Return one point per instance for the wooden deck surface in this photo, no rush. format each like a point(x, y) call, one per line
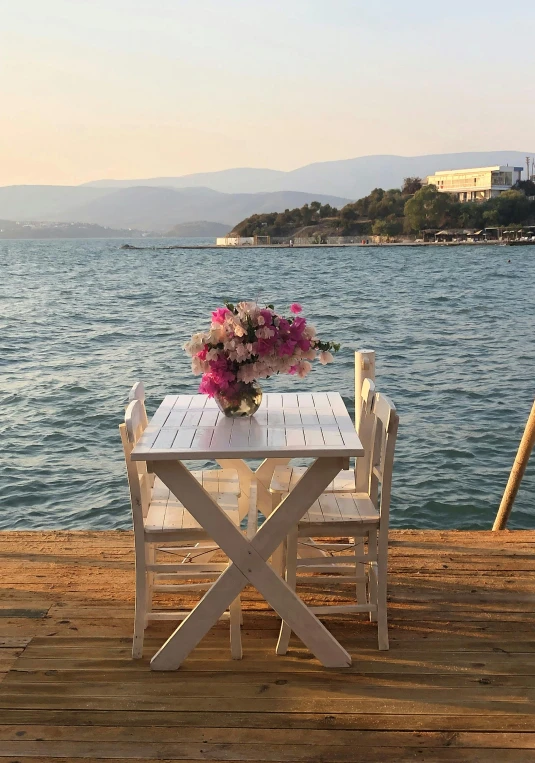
point(458, 683)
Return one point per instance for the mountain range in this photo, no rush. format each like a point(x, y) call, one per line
point(227, 196)
point(145, 207)
point(351, 178)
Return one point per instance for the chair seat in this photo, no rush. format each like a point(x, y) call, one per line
point(285, 478)
point(167, 516)
point(338, 511)
point(219, 480)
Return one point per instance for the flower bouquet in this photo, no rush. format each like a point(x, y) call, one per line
point(247, 342)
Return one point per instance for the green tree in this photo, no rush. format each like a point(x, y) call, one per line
point(411, 186)
point(511, 207)
point(526, 186)
point(306, 214)
point(428, 208)
point(327, 211)
point(391, 226)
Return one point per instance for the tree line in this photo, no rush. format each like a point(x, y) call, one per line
point(407, 210)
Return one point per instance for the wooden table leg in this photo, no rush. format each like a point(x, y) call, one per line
point(249, 564)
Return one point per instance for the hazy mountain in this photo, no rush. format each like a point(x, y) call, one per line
point(36, 230)
point(43, 202)
point(160, 208)
point(351, 178)
point(145, 208)
point(240, 180)
point(200, 228)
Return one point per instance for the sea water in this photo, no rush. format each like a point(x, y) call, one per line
point(81, 320)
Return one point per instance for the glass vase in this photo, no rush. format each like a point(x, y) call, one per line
point(244, 400)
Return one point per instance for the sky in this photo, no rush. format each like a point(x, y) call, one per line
point(95, 89)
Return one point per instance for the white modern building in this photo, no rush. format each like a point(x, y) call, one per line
point(234, 241)
point(243, 240)
point(477, 184)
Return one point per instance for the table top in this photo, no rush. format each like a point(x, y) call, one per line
point(298, 424)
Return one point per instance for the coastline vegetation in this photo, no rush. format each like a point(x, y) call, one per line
point(398, 211)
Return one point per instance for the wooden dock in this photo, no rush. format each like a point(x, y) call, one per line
point(458, 683)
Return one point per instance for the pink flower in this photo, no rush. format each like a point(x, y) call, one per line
point(287, 347)
point(298, 327)
point(208, 386)
point(295, 308)
point(263, 346)
point(219, 315)
point(267, 316)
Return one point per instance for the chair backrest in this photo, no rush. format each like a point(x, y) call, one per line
point(365, 432)
point(139, 480)
point(385, 430)
point(138, 393)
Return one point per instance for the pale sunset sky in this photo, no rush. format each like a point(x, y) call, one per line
point(137, 88)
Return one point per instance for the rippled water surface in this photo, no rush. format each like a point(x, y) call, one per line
point(453, 329)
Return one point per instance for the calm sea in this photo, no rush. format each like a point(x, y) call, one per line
point(80, 321)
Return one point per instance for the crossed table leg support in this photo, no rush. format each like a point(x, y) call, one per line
point(249, 564)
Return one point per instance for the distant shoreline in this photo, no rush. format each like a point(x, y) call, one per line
point(333, 246)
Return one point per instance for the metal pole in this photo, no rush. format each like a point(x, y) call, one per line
point(517, 472)
point(364, 369)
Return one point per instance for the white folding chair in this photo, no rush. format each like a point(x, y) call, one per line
point(348, 481)
point(213, 480)
point(363, 516)
point(159, 518)
point(286, 477)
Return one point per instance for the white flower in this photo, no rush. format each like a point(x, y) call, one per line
point(196, 343)
point(237, 326)
point(265, 332)
point(247, 307)
point(198, 366)
point(216, 334)
point(303, 368)
point(325, 357)
point(247, 373)
point(241, 352)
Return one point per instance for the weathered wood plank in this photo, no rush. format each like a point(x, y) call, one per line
point(366, 755)
point(68, 665)
point(13, 643)
point(285, 753)
point(162, 720)
point(255, 684)
point(274, 736)
point(381, 700)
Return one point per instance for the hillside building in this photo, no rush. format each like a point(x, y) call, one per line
point(478, 184)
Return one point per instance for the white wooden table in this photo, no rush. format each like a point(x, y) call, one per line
point(292, 425)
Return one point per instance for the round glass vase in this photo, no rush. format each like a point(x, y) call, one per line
point(244, 400)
